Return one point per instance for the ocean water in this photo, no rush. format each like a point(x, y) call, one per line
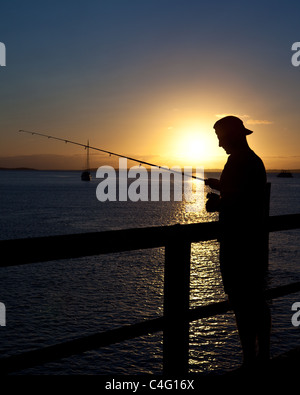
point(51, 302)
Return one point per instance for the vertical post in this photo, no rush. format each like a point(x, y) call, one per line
point(176, 307)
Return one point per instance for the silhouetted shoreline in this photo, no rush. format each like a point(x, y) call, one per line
point(18, 168)
point(95, 169)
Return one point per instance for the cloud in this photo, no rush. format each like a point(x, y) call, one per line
point(236, 115)
point(249, 121)
point(259, 122)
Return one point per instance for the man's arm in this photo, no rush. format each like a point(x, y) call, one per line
point(213, 183)
point(213, 202)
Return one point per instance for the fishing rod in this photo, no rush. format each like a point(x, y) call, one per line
point(109, 152)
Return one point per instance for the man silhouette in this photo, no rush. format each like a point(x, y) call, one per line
point(242, 208)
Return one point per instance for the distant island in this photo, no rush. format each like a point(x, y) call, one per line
point(95, 169)
point(17, 168)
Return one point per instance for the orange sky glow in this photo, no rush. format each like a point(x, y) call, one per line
point(152, 94)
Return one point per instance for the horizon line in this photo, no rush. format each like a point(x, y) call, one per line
point(96, 168)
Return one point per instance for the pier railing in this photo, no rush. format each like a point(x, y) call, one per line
point(176, 239)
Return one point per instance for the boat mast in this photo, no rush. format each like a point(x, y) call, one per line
point(88, 156)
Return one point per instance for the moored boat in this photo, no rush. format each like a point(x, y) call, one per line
point(285, 174)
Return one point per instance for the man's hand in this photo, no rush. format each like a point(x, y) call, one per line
point(213, 203)
point(213, 183)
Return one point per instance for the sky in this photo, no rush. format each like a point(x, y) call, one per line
point(147, 79)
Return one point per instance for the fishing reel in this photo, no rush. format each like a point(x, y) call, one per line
point(212, 195)
point(213, 202)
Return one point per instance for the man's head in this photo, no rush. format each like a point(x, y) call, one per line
point(231, 133)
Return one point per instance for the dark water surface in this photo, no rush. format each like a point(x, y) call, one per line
point(48, 303)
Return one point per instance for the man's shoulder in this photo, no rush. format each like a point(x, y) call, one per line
point(245, 157)
point(247, 165)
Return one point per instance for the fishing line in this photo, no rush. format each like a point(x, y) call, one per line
point(110, 153)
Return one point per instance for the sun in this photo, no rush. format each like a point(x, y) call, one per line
point(195, 147)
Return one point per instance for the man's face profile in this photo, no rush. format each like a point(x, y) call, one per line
point(224, 140)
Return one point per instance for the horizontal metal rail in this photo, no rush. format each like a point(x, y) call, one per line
point(70, 348)
point(43, 249)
